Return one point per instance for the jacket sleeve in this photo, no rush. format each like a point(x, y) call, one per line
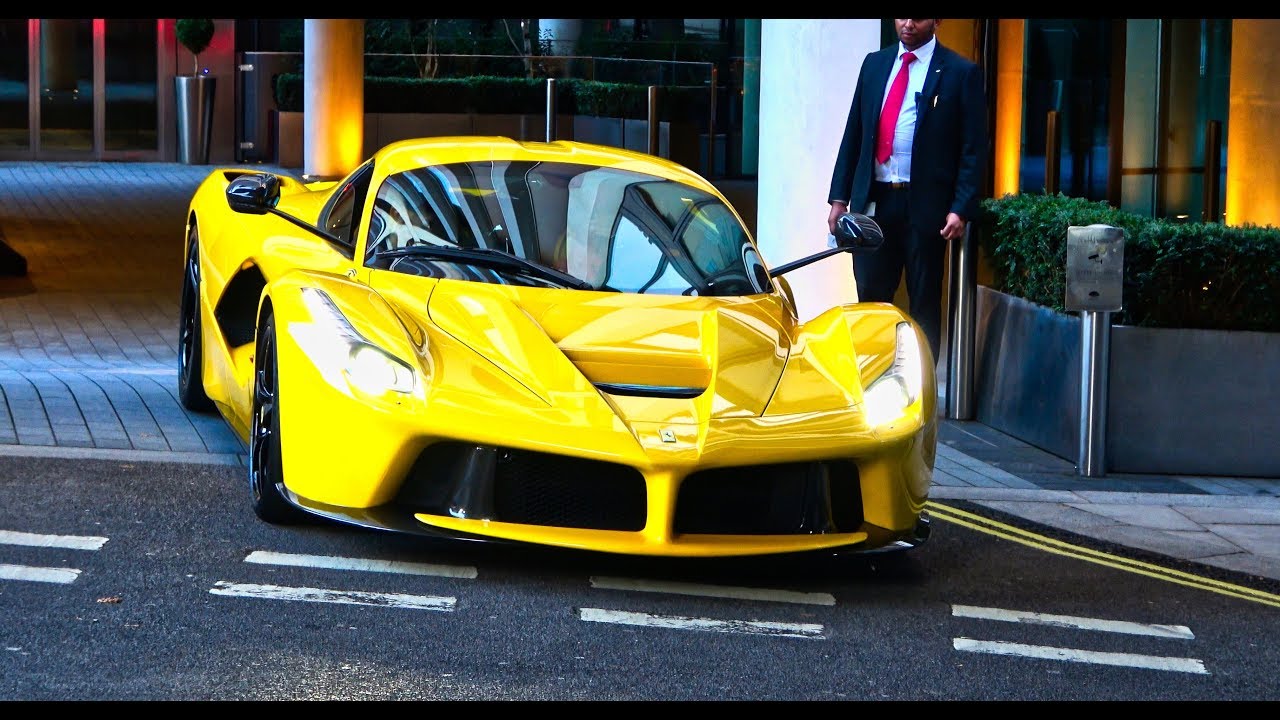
point(847, 157)
point(973, 145)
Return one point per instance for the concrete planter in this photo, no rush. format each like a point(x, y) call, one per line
point(1179, 402)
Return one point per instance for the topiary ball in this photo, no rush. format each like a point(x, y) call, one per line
point(195, 35)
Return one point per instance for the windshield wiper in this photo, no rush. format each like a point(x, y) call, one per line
point(491, 257)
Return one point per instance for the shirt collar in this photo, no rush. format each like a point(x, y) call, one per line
point(923, 53)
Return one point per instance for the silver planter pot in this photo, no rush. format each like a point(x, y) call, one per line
point(194, 96)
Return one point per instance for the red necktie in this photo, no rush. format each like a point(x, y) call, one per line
point(892, 106)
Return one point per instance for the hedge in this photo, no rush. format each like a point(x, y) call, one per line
point(514, 95)
point(1176, 275)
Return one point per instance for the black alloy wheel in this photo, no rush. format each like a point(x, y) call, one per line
point(266, 474)
point(190, 350)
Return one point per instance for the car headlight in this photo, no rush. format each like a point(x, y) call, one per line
point(900, 386)
point(339, 351)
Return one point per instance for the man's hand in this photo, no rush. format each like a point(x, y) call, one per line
point(837, 209)
point(954, 229)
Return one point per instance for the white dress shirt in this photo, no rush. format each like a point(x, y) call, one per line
point(898, 167)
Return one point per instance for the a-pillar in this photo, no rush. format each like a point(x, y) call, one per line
point(1253, 125)
point(333, 97)
point(807, 73)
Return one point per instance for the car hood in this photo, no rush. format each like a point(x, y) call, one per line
point(655, 358)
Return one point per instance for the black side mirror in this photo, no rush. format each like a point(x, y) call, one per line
point(858, 233)
point(855, 233)
point(254, 193)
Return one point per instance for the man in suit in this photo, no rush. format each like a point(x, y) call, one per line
point(923, 183)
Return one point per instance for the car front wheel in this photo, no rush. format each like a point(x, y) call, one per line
point(190, 349)
point(266, 474)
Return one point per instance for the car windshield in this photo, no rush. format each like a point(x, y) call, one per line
point(608, 228)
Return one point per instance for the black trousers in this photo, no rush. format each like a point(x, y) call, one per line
point(920, 254)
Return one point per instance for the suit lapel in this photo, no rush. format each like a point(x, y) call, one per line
point(937, 66)
point(879, 80)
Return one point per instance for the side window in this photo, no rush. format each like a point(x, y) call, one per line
point(343, 211)
point(339, 221)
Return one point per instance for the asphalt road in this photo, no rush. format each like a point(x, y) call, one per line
point(155, 581)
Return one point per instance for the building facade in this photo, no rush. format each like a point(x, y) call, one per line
point(1166, 117)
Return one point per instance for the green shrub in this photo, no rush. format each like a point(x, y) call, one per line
point(194, 34)
point(1176, 275)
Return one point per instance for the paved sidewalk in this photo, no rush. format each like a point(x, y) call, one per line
point(88, 347)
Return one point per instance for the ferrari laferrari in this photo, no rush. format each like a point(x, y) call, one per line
point(556, 344)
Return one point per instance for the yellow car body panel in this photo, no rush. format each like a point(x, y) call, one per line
point(543, 371)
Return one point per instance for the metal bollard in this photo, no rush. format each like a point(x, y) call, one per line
point(964, 296)
point(1052, 152)
point(551, 109)
point(1095, 356)
point(653, 120)
point(1212, 171)
point(1095, 274)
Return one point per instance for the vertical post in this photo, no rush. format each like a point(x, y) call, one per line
point(1095, 354)
point(653, 120)
point(1212, 171)
point(711, 127)
point(1095, 287)
point(1052, 151)
point(964, 290)
point(551, 109)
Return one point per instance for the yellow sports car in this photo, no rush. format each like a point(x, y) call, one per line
point(560, 344)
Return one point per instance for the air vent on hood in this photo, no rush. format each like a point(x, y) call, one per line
point(660, 391)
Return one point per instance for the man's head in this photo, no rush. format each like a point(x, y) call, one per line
point(914, 33)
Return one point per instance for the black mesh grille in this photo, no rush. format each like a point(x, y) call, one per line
point(534, 488)
point(542, 489)
point(783, 499)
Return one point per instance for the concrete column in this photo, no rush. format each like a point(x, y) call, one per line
point(1006, 136)
point(333, 97)
point(807, 73)
point(1253, 125)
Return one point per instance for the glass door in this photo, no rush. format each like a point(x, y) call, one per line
point(131, 100)
point(80, 89)
point(66, 84)
point(1176, 97)
point(15, 89)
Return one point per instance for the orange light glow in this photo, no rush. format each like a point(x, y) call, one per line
point(1007, 134)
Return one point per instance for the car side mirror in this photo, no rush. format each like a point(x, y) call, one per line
point(254, 193)
point(854, 233)
point(857, 233)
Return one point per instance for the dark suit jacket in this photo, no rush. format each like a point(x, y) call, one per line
point(949, 152)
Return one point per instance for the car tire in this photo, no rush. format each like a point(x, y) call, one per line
point(190, 348)
point(266, 473)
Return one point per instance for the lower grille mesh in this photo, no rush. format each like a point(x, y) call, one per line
point(533, 488)
point(782, 499)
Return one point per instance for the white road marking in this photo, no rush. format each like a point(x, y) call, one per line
point(346, 597)
point(720, 591)
point(1077, 623)
point(330, 562)
point(73, 542)
point(1148, 662)
point(38, 574)
point(748, 627)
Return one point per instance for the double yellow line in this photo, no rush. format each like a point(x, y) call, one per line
point(1040, 542)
